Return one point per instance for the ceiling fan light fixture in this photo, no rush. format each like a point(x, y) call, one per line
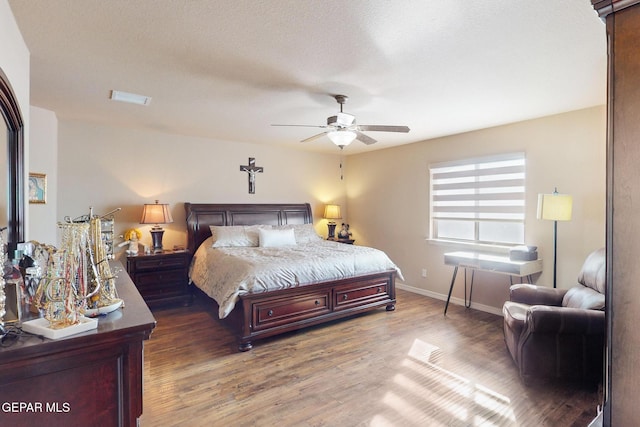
point(342, 137)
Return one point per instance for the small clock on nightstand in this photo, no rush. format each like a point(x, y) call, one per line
point(161, 278)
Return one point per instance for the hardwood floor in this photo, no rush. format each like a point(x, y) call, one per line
point(410, 367)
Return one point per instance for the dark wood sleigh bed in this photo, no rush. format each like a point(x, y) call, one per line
point(264, 314)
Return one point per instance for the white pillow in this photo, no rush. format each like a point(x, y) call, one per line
point(304, 233)
point(276, 238)
point(235, 235)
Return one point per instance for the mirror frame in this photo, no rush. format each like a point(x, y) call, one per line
point(15, 167)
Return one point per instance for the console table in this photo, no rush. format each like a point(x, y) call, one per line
point(487, 262)
point(92, 378)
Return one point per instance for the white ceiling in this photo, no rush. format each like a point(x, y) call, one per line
point(228, 69)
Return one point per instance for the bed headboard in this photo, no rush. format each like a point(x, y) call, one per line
point(200, 216)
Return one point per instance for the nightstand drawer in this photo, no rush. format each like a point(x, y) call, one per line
point(163, 292)
point(151, 263)
point(170, 278)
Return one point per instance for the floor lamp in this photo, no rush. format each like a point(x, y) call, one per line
point(555, 207)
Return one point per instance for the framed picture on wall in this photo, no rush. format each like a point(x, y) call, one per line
point(37, 188)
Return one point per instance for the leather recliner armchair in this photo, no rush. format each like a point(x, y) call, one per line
point(559, 333)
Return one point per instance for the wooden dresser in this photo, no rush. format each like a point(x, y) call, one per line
point(90, 379)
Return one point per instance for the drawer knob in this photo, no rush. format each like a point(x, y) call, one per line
point(317, 302)
point(270, 313)
point(379, 289)
point(345, 296)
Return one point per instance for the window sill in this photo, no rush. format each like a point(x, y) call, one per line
point(475, 247)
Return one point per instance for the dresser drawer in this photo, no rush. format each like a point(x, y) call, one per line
point(359, 294)
point(271, 313)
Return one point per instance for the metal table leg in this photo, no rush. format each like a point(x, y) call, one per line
point(473, 273)
point(453, 280)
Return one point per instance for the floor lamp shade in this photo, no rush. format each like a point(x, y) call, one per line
point(332, 212)
point(157, 213)
point(555, 207)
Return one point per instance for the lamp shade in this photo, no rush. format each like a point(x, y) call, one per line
point(555, 207)
point(157, 213)
point(342, 137)
point(332, 212)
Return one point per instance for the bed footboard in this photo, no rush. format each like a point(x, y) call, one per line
point(276, 312)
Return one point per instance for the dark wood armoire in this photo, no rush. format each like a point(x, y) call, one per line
point(622, 377)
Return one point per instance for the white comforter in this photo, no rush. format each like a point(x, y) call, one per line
point(225, 273)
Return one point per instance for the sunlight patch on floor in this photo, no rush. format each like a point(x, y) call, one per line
point(417, 389)
point(423, 391)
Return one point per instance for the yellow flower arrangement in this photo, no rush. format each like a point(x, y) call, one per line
point(131, 233)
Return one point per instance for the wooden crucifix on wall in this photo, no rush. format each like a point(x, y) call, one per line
point(252, 170)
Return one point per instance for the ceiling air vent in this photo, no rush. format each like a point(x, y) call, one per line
point(131, 98)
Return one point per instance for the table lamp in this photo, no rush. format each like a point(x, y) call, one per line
point(555, 207)
point(332, 212)
point(156, 214)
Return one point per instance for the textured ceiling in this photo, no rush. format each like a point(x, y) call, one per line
point(227, 70)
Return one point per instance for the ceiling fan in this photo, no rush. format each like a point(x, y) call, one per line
point(342, 128)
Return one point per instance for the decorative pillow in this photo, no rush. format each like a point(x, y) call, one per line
point(276, 238)
point(304, 233)
point(583, 297)
point(235, 235)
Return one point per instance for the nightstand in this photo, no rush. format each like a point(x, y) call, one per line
point(161, 278)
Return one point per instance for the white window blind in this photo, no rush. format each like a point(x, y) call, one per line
point(479, 200)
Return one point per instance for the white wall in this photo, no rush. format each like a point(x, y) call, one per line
point(388, 198)
point(108, 167)
point(43, 159)
point(385, 194)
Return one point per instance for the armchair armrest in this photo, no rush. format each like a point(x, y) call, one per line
point(564, 320)
point(536, 295)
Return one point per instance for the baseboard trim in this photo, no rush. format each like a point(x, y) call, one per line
point(454, 300)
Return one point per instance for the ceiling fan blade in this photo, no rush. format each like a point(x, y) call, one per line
point(305, 126)
point(311, 138)
point(364, 138)
point(383, 128)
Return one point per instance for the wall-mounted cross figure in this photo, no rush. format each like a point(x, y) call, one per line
point(252, 170)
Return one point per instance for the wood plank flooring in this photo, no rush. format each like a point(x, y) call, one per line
point(410, 367)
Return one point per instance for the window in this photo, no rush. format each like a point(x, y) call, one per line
point(479, 200)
